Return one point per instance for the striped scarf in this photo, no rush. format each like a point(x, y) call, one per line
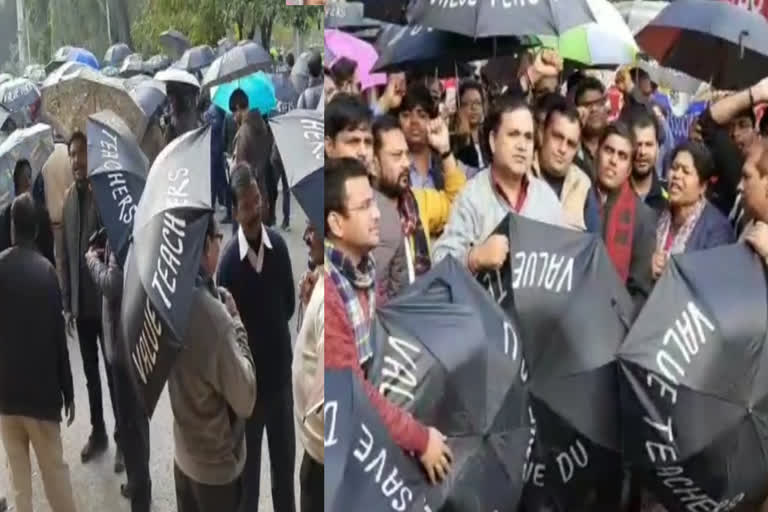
point(413, 229)
point(680, 239)
point(348, 279)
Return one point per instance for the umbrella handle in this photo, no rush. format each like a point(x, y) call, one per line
point(742, 35)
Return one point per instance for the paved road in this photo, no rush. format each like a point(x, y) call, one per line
point(95, 485)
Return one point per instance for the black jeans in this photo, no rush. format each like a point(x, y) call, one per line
point(90, 337)
point(312, 485)
point(193, 496)
point(273, 193)
point(134, 440)
point(273, 410)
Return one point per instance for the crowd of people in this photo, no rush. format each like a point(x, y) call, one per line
point(237, 376)
point(411, 179)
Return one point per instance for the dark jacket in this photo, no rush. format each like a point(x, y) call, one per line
point(108, 278)
point(657, 196)
point(728, 163)
point(80, 294)
point(44, 240)
point(253, 144)
point(35, 376)
point(312, 95)
point(712, 230)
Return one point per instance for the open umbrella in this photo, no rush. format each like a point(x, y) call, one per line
point(694, 380)
point(449, 355)
point(4, 77)
point(164, 259)
point(22, 98)
point(573, 313)
point(346, 45)
point(606, 42)
point(638, 13)
point(223, 45)
point(71, 98)
point(72, 54)
point(110, 71)
point(117, 170)
point(417, 48)
point(35, 72)
point(34, 144)
point(5, 114)
point(716, 42)
point(132, 65)
point(299, 137)
point(244, 59)
point(174, 42)
point(285, 93)
point(149, 95)
point(258, 87)
point(157, 63)
point(115, 54)
point(484, 19)
point(195, 59)
point(349, 17)
point(366, 470)
point(392, 11)
point(178, 76)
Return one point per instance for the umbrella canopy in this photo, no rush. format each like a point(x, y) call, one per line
point(22, 98)
point(177, 75)
point(116, 54)
point(174, 42)
point(352, 422)
point(72, 54)
point(299, 137)
point(258, 87)
point(553, 280)
point(70, 98)
point(484, 19)
point(694, 380)
point(244, 59)
point(416, 48)
point(35, 72)
point(224, 45)
point(391, 11)
point(4, 77)
point(346, 45)
point(157, 63)
point(150, 96)
point(164, 259)
point(117, 170)
point(34, 144)
point(285, 92)
point(110, 71)
point(132, 83)
point(300, 71)
point(349, 17)
point(638, 13)
point(473, 391)
point(716, 42)
point(195, 59)
point(5, 114)
point(132, 65)
point(606, 42)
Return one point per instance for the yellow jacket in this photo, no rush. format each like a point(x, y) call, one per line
point(435, 205)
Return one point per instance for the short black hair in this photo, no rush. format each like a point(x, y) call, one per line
point(574, 79)
point(418, 95)
point(24, 218)
point(565, 110)
point(639, 116)
point(547, 102)
point(747, 112)
point(702, 158)
point(315, 65)
point(381, 125)
point(242, 176)
point(503, 104)
point(343, 70)
point(78, 135)
point(22, 168)
point(290, 59)
point(238, 99)
point(621, 129)
point(336, 174)
point(346, 112)
point(470, 85)
point(588, 83)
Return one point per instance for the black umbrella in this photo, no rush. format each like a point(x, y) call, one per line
point(117, 169)
point(157, 63)
point(365, 469)
point(299, 137)
point(5, 114)
point(21, 97)
point(195, 59)
point(447, 353)
point(224, 45)
point(391, 11)
point(694, 382)
point(132, 65)
point(174, 42)
point(244, 59)
point(573, 313)
point(349, 17)
point(285, 92)
point(491, 18)
point(164, 259)
point(115, 54)
point(714, 41)
point(417, 48)
point(150, 95)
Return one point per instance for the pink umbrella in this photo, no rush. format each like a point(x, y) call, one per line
point(342, 44)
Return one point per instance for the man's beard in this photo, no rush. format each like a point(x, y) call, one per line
point(639, 175)
point(391, 189)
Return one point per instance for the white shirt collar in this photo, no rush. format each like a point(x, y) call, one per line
point(255, 258)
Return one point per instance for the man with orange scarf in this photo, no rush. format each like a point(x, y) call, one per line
point(629, 226)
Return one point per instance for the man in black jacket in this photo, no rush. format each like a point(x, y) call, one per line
point(35, 376)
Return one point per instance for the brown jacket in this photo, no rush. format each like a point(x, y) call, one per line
point(253, 144)
point(212, 388)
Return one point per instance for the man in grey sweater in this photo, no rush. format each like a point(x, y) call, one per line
point(507, 186)
point(212, 388)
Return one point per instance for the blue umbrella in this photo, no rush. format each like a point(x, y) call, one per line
point(73, 54)
point(258, 87)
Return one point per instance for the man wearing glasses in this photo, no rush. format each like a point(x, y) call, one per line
point(591, 101)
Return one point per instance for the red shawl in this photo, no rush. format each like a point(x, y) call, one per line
point(620, 229)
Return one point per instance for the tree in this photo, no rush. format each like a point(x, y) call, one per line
point(249, 17)
point(202, 21)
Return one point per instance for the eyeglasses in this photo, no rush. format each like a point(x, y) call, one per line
point(591, 105)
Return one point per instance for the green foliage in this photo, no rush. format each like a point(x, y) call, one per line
point(202, 21)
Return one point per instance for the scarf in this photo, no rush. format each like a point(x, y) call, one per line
point(413, 229)
point(620, 229)
point(683, 234)
point(348, 279)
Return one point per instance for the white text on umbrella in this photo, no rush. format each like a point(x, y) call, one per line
point(399, 374)
point(169, 262)
point(144, 355)
point(118, 186)
point(330, 409)
point(542, 270)
point(314, 131)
